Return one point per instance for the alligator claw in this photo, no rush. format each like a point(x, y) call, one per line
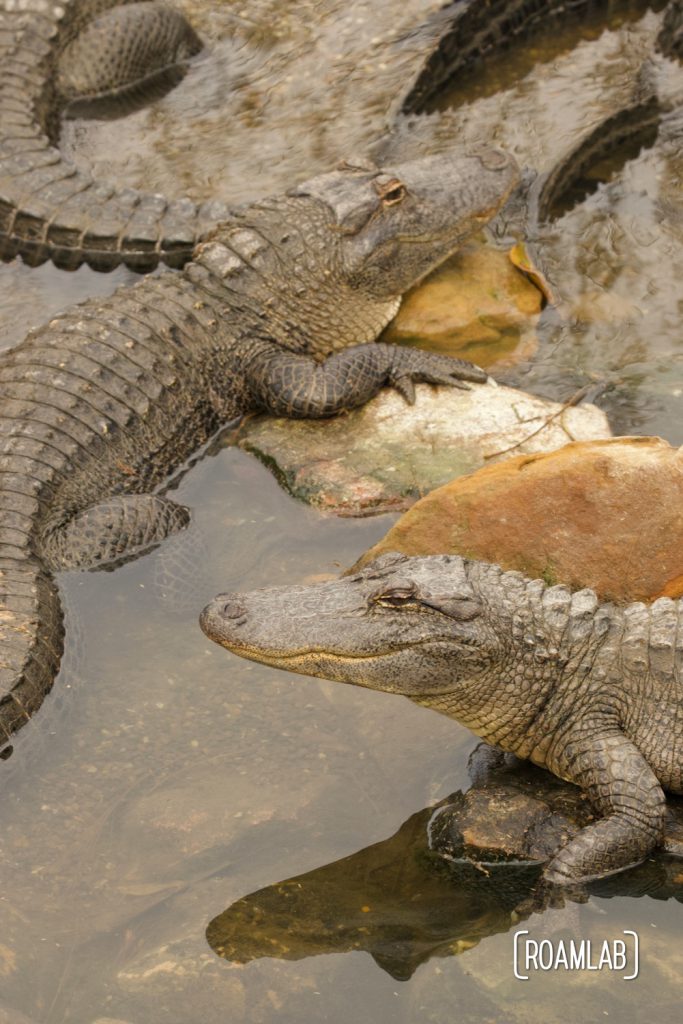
point(447, 380)
point(406, 387)
point(451, 371)
point(455, 382)
point(405, 384)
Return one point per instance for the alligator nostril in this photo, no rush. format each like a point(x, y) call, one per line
point(232, 610)
point(492, 158)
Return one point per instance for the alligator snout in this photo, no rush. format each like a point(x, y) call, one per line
point(494, 159)
point(229, 607)
point(222, 615)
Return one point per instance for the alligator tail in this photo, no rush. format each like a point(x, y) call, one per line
point(49, 209)
point(31, 637)
point(670, 39)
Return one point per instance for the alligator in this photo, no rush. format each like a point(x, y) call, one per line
point(476, 30)
point(278, 310)
point(593, 692)
point(55, 53)
point(52, 53)
point(670, 40)
point(632, 112)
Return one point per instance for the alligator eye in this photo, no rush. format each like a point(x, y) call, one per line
point(396, 597)
point(391, 192)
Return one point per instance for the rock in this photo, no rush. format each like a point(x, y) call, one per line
point(8, 1015)
point(513, 816)
point(384, 456)
point(477, 306)
point(186, 828)
point(185, 982)
point(493, 825)
point(110, 1020)
point(602, 514)
point(600, 306)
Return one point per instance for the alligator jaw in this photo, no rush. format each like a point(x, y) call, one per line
point(240, 623)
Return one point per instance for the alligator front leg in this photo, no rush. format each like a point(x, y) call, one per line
point(113, 531)
point(622, 786)
point(292, 385)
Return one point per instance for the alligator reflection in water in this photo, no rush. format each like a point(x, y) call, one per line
point(449, 877)
point(396, 900)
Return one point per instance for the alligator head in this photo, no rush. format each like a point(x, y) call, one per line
point(395, 224)
point(413, 626)
point(354, 240)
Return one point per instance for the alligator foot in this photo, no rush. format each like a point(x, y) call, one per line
point(622, 786)
point(113, 532)
point(414, 366)
point(296, 386)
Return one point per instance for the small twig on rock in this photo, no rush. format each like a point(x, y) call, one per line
point(574, 400)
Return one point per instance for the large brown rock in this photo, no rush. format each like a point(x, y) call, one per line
point(477, 306)
point(602, 514)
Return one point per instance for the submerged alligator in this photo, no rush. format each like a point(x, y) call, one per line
point(591, 691)
point(99, 406)
point(54, 53)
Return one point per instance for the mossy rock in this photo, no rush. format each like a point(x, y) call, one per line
point(387, 454)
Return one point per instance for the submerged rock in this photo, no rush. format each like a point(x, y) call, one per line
point(8, 1015)
point(386, 455)
point(603, 514)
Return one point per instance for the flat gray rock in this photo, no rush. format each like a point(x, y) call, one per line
point(386, 455)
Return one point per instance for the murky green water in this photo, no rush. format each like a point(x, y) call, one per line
point(166, 779)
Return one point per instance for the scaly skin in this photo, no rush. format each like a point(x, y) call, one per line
point(670, 40)
point(476, 29)
point(52, 52)
point(98, 407)
point(591, 692)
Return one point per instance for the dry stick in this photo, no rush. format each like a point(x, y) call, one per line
point(574, 400)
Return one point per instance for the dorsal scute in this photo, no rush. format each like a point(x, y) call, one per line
point(218, 259)
point(515, 603)
point(245, 243)
point(606, 620)
point(582, 609)
point(556, 602)
point(664, 639)
point(635, 644)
